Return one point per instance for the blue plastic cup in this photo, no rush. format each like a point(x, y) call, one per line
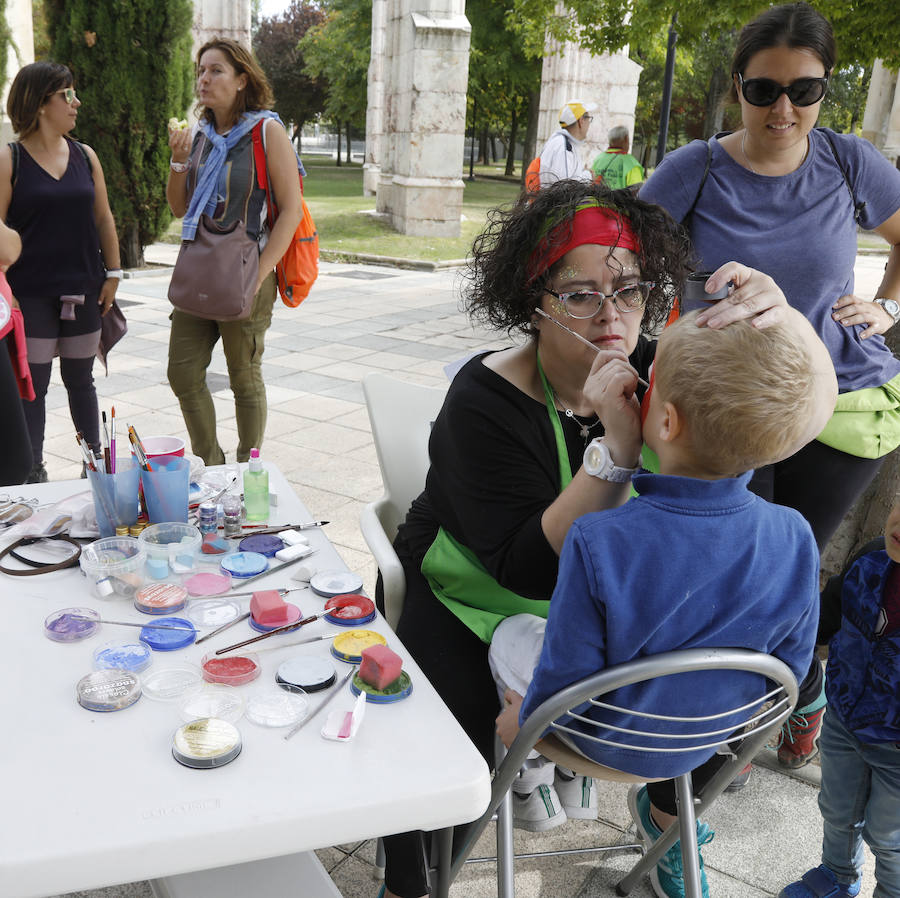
point(115, 496)
point(166, 488)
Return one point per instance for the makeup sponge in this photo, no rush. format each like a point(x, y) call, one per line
point(380, 666)
point(268, 607)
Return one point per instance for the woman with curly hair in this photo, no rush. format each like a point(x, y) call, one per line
point(506, 481)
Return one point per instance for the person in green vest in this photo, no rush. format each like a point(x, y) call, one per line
point(507, 478)
point(616, 167)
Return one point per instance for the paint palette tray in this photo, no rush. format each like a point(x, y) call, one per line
point(277, 708)
point(213, 700)
point(114, 566)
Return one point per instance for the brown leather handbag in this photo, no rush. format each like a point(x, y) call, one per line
point(215, 273)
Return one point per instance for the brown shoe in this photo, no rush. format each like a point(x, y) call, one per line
point(797, 745)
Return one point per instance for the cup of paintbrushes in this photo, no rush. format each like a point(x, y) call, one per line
point(166, 489)
point(115, 495)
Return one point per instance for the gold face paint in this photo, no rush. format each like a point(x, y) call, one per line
point(557, 307)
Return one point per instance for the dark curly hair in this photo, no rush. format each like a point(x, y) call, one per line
point(502, 292)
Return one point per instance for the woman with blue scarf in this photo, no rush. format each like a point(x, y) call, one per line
point(213, 173)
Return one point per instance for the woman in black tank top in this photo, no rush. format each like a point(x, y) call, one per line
point(66, 278)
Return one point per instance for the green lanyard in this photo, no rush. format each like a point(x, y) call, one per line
point(562, 450)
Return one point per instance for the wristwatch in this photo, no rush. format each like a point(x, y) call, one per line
point(598, 463)
point(180, 167)
point(891, 306)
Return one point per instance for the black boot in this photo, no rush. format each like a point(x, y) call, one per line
point(38, 474)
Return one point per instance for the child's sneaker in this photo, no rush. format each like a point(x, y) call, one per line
point(577, 795)
point(797, 741)
point(820, 883)
point(740, 780)
point(667, 878)
point(538, 811)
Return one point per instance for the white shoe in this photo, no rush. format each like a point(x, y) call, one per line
point(578, 796)
point(538, 811)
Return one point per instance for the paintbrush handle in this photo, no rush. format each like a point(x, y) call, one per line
point(336, 692)
point(224, 627)
point(285, 629)
point(128, 623)
point(288, 645)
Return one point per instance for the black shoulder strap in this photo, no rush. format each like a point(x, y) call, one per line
point(857, 207)
point(687, 216)
point(568, 142)
point(87, 158)
point(14, 152)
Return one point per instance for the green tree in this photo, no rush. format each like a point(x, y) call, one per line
point(298, 98)
point(337, 52)
point(133, 70)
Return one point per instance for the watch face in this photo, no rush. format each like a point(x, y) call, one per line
point(892, 307)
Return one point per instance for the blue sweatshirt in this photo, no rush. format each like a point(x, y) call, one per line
point(687, 563)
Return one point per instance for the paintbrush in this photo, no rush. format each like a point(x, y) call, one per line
point(340, 686)
point(105, 439)
point(285, 629)
point(112, 442)
point(296, 642)
point(278, 567)
point(583, 340)
point(139, 450)
point(224, 627)
point(128, 623)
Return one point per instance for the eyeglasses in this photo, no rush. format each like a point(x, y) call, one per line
point(587, 303)
point(68, 93)
point(765, 91)
point(588, 117)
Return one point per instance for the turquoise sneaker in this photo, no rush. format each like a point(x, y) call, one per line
point(667, 878)
point(820, 883)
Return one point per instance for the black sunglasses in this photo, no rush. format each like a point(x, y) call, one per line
point(765, 91)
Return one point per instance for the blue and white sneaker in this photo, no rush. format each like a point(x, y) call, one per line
point(820, 882)
point(667, 878)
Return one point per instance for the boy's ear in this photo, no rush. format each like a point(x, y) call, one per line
point(672, 423)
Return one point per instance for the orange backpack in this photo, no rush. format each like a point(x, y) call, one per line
point(298, 268)
point(533, 175)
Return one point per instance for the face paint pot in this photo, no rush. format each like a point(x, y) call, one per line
point(350, 610)
point(108, 690)
point(230, 670)
point(335, 583)
point(160, 598)
point(349, 646)
point(68, 624)
point(305, 674)
point(206, 743)
point(131, 656)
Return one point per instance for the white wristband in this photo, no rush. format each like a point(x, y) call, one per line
point(180, 167)
point(114, 273)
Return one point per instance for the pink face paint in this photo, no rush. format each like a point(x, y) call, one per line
point(207, 584)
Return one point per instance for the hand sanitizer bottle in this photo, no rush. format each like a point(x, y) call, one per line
point(256, 489)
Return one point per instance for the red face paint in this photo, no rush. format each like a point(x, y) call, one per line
point(233, 671)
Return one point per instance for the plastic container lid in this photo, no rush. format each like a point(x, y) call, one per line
point(394, 692)
point(244, 564)
point(350, 610)
point(349, 646)
point(207, 584)
point(230, 670)
point(264, 543)
point(67, 625)
point(306, 674)
point(161, 639)
point(167, 684)
point(277, 708)
point(108, 690)
point(133, 656)
point(213, 700)
point(160, 598)
point(206, 743)
point(211, 613)
point(292, 615)
point(335, 583)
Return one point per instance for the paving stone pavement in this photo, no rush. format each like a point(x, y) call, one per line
point(357, 319)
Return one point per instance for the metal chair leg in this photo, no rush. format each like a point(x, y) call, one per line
point(379, 859)
point(690, 857)
point(442, 845)
point(506, 885)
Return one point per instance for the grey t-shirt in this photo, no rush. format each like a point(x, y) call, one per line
point(798, 228)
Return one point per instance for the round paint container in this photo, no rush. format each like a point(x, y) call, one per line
point(241, 565)
point(230, 670)
point(213, 700)
point(349, 646)
point(172, 548)
point(350, 610)
point(211, 613)
point(160, 598)
point(67, 625)
point(292, 616)
point(395, 692)
point(206, 743)
point(335, 583)
point(264, 543)
point(132, 656)
point(167, 684)
point(305, 674)
point(277, 708)
point(108, 690)
point(206, 584)
point(161, 639)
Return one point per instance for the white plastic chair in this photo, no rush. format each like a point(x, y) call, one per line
point(401, 414)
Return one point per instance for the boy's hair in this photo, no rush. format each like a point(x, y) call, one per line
point(746, 394)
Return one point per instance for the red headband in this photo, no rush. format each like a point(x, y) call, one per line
point(590, 224)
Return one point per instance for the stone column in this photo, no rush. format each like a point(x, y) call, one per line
point(18, 17)
point(375, 136)
point(221, 18)
point(881, 121)
point(420, 184)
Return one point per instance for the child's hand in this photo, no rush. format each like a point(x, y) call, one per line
point(508, 719)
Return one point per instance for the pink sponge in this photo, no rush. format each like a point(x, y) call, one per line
point(268, 607)
point(380, 666)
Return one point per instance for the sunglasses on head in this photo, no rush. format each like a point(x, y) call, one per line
point(765, 91)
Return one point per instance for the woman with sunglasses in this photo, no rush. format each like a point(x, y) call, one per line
point(785, 197)
point(52, 192)
point(507, 478)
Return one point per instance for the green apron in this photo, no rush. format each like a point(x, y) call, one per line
point(460, 580)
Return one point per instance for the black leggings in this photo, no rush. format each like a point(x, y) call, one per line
point(15, 454)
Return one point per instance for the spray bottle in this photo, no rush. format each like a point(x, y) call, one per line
point(256, 489)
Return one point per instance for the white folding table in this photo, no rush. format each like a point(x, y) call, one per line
point(93, 799)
